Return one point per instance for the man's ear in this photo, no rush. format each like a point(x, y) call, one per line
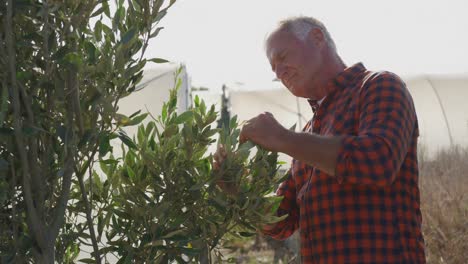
point(317, 36)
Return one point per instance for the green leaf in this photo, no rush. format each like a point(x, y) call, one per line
point(208, 133)
point(131, 173)
point(130, 72)
point(244, 149)
point(98, 183)
point(173, 233)
point(98, 30)
point(126, 140)
point(98, 12)
point(199, 120)
point(135, 114)
point(109, 34)
point(121, 119)
point(110, 161)
point(118, 16)
point(160, 15)
point(136, 120)
point(233, 122)
point(156, 32)
point(164, 112)
point(218, 203)
point(247, 234)
point(171, 130)
point(158, 60)
point(104, 145)
point(184, 117)
point(129, 35)
point(105, 4)
point(23, 75)
point(91, 50)
point(87, 260)
point(202, 107)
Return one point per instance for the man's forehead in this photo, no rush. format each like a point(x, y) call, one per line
point(277, 43)
point(273, 51)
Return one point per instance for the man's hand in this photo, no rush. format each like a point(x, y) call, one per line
point(225, 184)
point(219, 157)
point(265, 131)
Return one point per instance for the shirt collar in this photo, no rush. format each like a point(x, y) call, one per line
point(345, 77)
point(342, 80)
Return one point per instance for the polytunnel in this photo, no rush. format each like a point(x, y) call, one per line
point(442, 109)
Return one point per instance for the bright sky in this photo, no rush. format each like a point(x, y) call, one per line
point(221, 41)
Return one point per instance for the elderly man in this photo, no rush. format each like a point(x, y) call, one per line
point(352, 190)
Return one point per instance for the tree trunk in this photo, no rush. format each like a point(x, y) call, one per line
point(47, 254)
point(205, 255)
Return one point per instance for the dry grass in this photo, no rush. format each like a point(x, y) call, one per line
point(444, 202)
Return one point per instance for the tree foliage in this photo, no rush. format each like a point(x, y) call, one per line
point(161, 201)
point(64, 65)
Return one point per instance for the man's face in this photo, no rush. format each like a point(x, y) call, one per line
point(295, 62)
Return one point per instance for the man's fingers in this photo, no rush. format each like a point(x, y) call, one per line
point(219, 156)
point(222, 150)
point(242, 138)
point(215, 163)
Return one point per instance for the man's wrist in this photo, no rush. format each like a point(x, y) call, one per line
point(285, 140)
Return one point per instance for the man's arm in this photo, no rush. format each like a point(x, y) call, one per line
point(374, 156)
point(319, 151)
point(387, 124)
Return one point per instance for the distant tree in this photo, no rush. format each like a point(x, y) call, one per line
point(225, 114)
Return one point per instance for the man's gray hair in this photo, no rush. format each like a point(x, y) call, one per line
point(300, 26)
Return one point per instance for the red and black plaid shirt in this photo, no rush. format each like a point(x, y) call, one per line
point(370, 211)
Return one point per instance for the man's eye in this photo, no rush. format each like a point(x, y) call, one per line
point(282, 57)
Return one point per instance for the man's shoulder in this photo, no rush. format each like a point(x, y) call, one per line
point(381, 76)
point(372, 80)
point(383, 83)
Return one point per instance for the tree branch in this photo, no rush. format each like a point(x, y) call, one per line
point(35, 223)
point(33, 154)
point(50, 104)
point(70, 150)
point(13, 207)
point(88, 210)
point(89, 219)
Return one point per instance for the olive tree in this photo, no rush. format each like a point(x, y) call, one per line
point(64, 65)
point(161, 201)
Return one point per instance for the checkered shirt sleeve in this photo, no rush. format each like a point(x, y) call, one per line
point(288, 206)
point(387, 121)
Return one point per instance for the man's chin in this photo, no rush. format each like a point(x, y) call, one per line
point(297, 92)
